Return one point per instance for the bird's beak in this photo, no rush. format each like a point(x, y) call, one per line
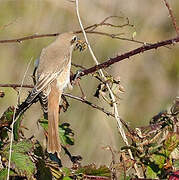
point(80, 45)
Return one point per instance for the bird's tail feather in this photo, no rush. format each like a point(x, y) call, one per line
point(53, 119)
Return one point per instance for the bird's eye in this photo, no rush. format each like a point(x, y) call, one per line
point(74, 39)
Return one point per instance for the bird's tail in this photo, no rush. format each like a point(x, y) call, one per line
point(53, 144)
point(24, 106)
point(42, 98)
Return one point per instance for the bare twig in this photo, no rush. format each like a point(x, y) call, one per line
point(78, 66)
point(116, 36)
point(104, 23)
point(172, 17)
point(6, 25)
point(99, 108)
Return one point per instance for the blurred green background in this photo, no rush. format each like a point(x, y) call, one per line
point(151, 79)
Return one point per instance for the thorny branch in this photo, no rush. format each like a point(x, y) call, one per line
point(172, 17)
point(128, 55)
point(145, 47)
point(16, 85)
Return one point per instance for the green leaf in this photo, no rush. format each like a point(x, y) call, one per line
point(67, 178)
point(5, 121)
point(93, 170)
point(66, 171)
point(4, 172)
point(22, 163)
point(154, 148)
point(150, 173)
point(65, 132)
point(44, 123)
point(176, 164)
point(171, 142)
point(22, 146)
point(159, 159)
point(7, 116)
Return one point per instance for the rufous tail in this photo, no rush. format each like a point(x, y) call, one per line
point(53, 144)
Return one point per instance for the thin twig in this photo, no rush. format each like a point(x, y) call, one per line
point(172, 17)
point(97, 107)
point(13, 121)
point(6, 25)
point(78, 99)
point(104, 23)
point(116, 36)
point(19, 92)
point(122, 132)
point(78, 66)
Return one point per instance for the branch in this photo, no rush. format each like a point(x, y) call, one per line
point(172, 17)
point(16, 85)
point(116, 36)
point(89, 29)
point(104, 23)
point(75, 98)
point(35, 36)
point(99, 108)
point(128, 55)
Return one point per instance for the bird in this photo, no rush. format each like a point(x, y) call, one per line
point(53, 76)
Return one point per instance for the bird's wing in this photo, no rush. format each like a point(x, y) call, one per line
point(42, 83)
point(50, 67)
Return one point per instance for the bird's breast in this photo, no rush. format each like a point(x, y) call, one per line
point(64, 77)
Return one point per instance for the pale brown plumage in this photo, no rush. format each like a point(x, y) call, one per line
point(53, 75)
